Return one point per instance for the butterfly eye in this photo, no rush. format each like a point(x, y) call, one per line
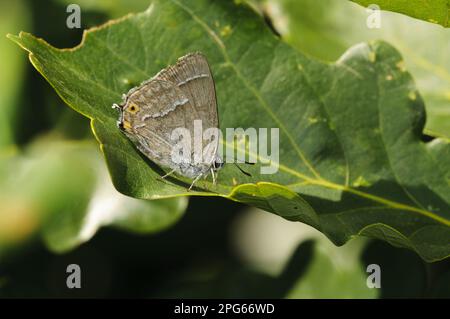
point(133, 108)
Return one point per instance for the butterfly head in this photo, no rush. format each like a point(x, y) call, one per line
point(127, 115)
point(218, 163)
point(120, 121)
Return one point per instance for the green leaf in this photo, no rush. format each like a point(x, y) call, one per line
point(334, 273)
point(351, 157)
point(315, 269)
point(325, 29)
point(13, 16)
point(62, 191)
point(436, 11)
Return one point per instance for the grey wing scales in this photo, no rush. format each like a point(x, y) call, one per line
point(192, 75)
point(174, 98)
point(158, 98)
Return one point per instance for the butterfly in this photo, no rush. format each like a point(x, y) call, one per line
point(175, 98)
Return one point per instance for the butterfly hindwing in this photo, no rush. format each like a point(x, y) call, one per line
point(174, 98)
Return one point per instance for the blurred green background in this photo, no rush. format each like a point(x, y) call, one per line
point(52, 176)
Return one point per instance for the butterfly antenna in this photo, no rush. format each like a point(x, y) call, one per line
point(242, 171)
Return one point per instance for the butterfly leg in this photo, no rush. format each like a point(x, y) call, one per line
point(213, 176)
point(168, 174)
point(194, 181)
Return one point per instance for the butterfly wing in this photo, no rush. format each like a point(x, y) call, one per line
point(173, 99)
point(192, 75)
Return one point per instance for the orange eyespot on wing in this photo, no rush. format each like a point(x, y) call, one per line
point(126, 125)
point(132, 108)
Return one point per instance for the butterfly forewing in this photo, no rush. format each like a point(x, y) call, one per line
point(193, 76)
point(174, 98)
